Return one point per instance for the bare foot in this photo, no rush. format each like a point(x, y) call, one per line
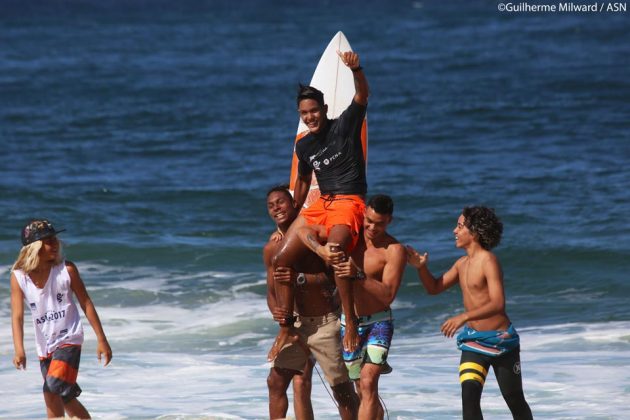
point(281, 339)
point(351, 337)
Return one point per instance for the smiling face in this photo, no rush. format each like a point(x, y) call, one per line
point(463, 236)
point(313, 115)
point(281, 209)
point(375, 224)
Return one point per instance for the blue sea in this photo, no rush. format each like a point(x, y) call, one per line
point(151, 131)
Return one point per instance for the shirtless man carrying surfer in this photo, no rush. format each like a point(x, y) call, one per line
point(489, 339)
point(333, 150)
point(316, 330)
point(376, 267)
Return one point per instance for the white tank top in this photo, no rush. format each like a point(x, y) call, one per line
point(55, 316)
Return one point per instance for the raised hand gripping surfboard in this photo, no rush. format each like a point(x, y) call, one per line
point(335, 80)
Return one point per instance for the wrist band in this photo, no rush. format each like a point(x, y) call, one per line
point(360, 275)
point(357, 69)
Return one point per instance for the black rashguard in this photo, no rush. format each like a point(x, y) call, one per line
point(336, 154)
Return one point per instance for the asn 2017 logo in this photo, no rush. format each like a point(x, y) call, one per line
point(51, 316)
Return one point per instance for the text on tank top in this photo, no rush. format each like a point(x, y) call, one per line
point(56, 319)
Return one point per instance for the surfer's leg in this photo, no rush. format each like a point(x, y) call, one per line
point(507, 369)
point(76, 410)
point(54, 405)
point(347, 399)
point(277, 383)
point(325, 345)
point(291, 251)
point(341, 235)
point(370, 407)
point(302, 385)
point(60, 387)
point(473, 369)
point(292, 363)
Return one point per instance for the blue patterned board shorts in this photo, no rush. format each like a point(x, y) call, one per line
point(375, 333)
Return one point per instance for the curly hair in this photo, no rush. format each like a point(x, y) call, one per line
point(484, 224)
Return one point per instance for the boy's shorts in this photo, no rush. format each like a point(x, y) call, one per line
point(375, 334)
point(331, 210)
point(60, 370)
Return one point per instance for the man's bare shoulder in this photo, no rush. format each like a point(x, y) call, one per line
point(395, 248)
point(392, 250)
point(269, 250)
point(460, 261)
point(489, 256)
point(489, 260)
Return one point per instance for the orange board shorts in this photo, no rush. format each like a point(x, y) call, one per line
point(331, 210)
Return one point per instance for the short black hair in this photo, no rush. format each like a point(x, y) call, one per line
point(483, 222)
point(382, 204)
point(309, 92)
point(283, 188)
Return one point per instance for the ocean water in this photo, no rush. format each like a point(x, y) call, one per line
point(151, 130)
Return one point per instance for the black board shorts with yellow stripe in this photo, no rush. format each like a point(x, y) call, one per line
point(507, 367)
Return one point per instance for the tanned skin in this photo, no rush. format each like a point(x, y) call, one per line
point(313, 298)
point(297, 244)
point(383, 259)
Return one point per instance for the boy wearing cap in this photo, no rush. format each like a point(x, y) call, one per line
point(42, 277)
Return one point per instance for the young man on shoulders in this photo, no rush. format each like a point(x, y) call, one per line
point(332, 150)
point(488, 339)
point(316, 328)
point(376, 266)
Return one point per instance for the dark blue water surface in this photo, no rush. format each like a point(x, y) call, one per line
point(151, 132)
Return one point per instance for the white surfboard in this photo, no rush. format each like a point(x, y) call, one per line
point(336, 81)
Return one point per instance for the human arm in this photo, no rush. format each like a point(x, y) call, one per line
point(78, 287)
point(313, 236)
point(494, 305)
point(271, 289)
point(362, 91)
point(386, 289)
point(432, 285)
point(279, 314)
point(302, 187)
point(282, 275)
point(17, 323)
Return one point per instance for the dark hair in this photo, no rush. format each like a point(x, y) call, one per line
point(483, 222)
point(309, 92)
point(283, 188)
point(382, 204)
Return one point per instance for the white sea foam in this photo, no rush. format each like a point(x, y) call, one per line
point(208, 361)
point(559, 382)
